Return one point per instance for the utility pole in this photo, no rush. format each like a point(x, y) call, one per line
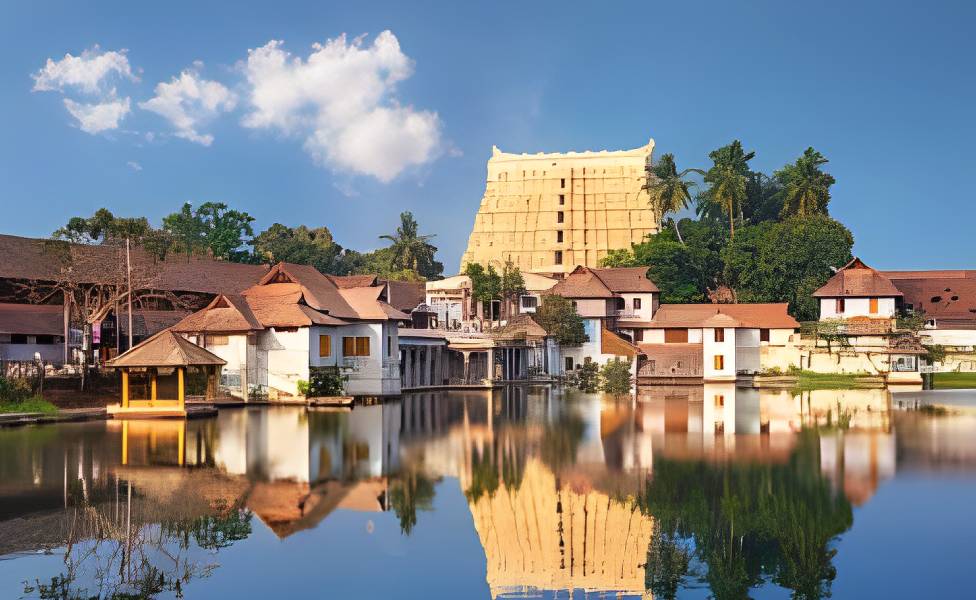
point(128, 278)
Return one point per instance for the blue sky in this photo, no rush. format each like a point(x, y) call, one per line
point(884, 90)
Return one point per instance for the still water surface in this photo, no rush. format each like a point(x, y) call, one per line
point(524, 492)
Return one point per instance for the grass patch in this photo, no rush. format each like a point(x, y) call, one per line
point(808, 380)
point(30, 405)
point(953, 381)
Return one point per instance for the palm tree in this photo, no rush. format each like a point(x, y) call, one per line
point(727, 178)
point(806, 189)
point(668, 189)
point(410, 249)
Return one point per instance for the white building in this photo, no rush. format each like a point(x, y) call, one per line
point(718, 341)
point(294, 321)
point(858, 291)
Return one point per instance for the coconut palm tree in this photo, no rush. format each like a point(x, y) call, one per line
point(806, 189)
point(668, 189)
point(410, 249)
point(727, 179)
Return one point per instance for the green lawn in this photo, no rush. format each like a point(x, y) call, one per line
point(31, 405)
point(808, 380)
point(950, 381)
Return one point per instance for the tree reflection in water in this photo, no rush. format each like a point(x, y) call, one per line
point(745, 523)
point(410, 491)
point(134, 547)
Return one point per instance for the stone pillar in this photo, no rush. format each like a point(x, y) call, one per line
point(467, 364)
point(425, 376)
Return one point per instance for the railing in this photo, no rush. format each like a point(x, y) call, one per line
point(625, 313)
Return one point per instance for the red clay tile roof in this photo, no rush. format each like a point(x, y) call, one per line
point(405, 295)
point(166, 349)
point(318, 290)
point(26, 258)
point(586, 282)
point(611, 343)
point(32, 319)
point(518, 327)
point(857, 280)
point(149, 322)
point(352, 281)
point(280, 305)
point(939, 294)
point(224, 314)
point(622, 280)
point(762, 316)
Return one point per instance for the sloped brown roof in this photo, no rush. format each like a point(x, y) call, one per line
point(939, 294)
point(352, 281)
point(27, 258)
point(32, 319)
point(165, 349)
point(519, 327)
point(224, 314)
point(280, 305)
point(611, 343)
point(622, 280)
point(405, 295)
point(763, 316)
point(149, 322)
point(857, 280)
point(366, 305)
point(318, 290)
point(587, 282)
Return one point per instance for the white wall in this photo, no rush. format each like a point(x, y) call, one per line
point(646, 311)
point(50, 353)
point(949, 337)
point(857, 307)
point(285, 357)
point(747, 350)
point(379, 373)
point(711, 348)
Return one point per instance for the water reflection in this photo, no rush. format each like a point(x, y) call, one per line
point(679, 488)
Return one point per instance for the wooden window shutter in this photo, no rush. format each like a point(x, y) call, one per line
point(325, 345)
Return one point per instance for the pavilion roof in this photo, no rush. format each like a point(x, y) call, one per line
point(166, 349)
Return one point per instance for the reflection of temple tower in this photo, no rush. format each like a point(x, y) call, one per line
point(545, 537)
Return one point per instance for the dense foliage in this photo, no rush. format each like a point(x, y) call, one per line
point(615, 377)
point(757, 238)
point(213, 229)
point(559, 318)
point(745, 523)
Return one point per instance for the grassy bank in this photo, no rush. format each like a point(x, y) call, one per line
point(29, 405)
point(808, 380)
point(953, 381)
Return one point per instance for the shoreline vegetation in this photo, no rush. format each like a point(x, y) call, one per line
point(953, 381)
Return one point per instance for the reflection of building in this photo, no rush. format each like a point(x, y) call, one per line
point(547, 535)
point(550, 212)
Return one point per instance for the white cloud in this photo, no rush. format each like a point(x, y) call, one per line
point(86, 72)
point(99, 116)
point(188, 101)
point(134, 165)
point(341, 100)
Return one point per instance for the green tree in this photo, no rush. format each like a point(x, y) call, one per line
point(618, 258)
point(412, 250)
point(683, 272)
point(486, 284)
point(669, 191)
point(103, 227)
point(805, 186)
point(727, 180)
point(615, 377)
point(212, 229)
point(409, 492)
point(300, 245)
point(512, 284)
point(559, 318)
point(588, 377)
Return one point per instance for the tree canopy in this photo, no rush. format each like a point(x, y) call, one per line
point(559, 318)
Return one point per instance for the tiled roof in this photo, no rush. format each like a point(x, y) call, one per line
point(318, 290)
point(405, 295)
point(352, 281)
point(857, 280)
point(611, 343)
point(939, 294)
point(149, 322)
point(519, 327)
point(32, 319)
point(762, 316)
point(166, 349)
point(26, 258)
point(224, 314)
point(586, 282)
point(366, 304)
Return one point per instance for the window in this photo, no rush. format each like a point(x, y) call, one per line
point(530, 302)
point(559, 257)
point(574, 304)
point(217, 340)
point(559, 237)
point(355, 346)
point(653, 364)
point(562, 182)
point(389, 345)
point(839, 306)
point(325, 346)
point(569, 363)
point(562, 199)
point(719, 400)
point(719, 362)
point(559, 217)
point(763, 335)
point(638, 335)
point(675, 336)
point(637, 303)
point(719, 334)
point(873, 306)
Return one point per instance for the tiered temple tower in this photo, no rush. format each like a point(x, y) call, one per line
point(549, 212)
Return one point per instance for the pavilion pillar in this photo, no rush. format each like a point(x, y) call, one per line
point(467, 365)
point(152, 387)
point(180, 391)
point(125, 388)
point(181, 441)
point(428, 359)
